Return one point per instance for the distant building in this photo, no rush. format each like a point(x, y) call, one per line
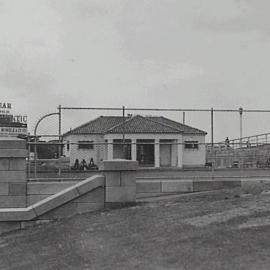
point(152, 141)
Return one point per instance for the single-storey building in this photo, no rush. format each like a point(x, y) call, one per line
point(153, 141)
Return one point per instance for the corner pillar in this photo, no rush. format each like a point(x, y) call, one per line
point(180, 153)
point(120, 180)
point(12, 173)
point(157, 153)
point(110, 149)
point(133, 150)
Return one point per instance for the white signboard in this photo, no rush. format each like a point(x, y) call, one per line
point(13, 131)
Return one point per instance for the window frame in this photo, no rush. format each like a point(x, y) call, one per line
point(191, 145)
point(86, 145)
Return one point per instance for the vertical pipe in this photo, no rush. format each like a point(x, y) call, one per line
point(29, 150)
point(184, 117)
point(59, 130)
point(212, 128)
point(124, 148)
point(212, 137)
point(59, 138)
point(241, 125)
point(35, 154)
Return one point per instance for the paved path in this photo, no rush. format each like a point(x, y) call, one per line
point(204, 231)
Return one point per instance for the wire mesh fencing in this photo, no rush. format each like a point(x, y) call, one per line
point(224, 146)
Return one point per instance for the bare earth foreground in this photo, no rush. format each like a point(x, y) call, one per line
point(207, 231)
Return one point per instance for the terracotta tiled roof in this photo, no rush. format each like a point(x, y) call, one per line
point(140, 124)
point(99, 125)
point(184, 128)
point(135, 124)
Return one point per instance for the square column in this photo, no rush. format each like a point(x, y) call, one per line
point(180, 153)
point(110, 149)
point(120, 180)
point(157, 153)
point(133, 150)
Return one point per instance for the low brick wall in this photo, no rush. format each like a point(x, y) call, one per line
point(157, 187)
point(37, 191)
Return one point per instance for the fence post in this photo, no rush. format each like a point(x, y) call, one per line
point(212, 137)
point(59, 137)
point(124, 143)
point(241, 125)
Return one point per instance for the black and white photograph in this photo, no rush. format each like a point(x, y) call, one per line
point(134, 135)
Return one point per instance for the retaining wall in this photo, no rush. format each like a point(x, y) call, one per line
point(157, 187)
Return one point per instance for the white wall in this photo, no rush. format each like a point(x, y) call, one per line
point(194, 157)
point(191, 157)
point(97, 153)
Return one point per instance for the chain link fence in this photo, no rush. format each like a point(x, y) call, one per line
point(47, 146)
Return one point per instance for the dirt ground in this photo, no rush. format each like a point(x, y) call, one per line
point(217, 230)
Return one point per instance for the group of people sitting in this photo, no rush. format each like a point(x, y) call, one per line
point(84, 166)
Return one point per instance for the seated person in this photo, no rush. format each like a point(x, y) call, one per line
point(92, 165)
point(83, 165)
point(76, 165)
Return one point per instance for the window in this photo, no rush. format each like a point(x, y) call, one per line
point(67, 145)
point(121, 150)
point(85, 145)
point(191, 145)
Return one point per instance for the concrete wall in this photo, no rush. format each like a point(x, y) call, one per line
point(12, 173)
point(157, 187)
point(37, 191)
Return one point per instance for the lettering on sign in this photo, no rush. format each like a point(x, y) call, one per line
point(5, 105)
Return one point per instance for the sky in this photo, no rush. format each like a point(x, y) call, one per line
point(137, 53)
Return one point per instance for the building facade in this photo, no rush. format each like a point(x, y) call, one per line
point(152, 141)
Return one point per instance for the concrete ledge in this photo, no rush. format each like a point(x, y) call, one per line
point(120, 194)
point(95, 196)
point(7, 201)
point(4, 188)
point(176, 186)
point(48, 188)
point(12, 143)
point(119, 165)
point(17, 214)
point(55, 200)
point(32, 199)
point(148, 186)
point(14, 164)
point(13, 153)
point(17, 189)
point(89, 184)
point(206, 185)
point(12, 176)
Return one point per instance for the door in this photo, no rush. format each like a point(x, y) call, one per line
point(165, 155)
